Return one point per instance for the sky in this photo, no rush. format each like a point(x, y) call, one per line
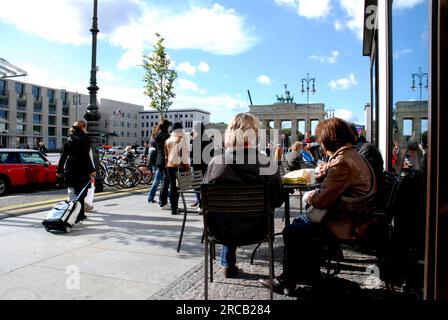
point(220, 49)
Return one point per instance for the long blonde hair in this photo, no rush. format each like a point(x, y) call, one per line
point(242, 130)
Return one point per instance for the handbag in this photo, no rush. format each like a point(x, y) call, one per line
point(88, 200)
point(315, 214)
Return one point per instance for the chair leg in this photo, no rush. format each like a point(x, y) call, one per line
point(212, 246)
point(271, 268)
point(206, 270)
point(253, 253)
point(183, 224)
point(338, 258)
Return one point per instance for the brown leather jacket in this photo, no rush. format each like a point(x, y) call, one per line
point(348, 176)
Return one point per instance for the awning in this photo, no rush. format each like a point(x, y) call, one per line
point(8, 70)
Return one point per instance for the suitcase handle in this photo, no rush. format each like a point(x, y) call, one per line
point(84, 189)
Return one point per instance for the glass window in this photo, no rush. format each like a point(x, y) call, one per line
point(37, 130)
point(9, 157)
point(65, 122)
point(3, 115)
point(20, 129)
point(2, 88)
point(37, 119)
point(32, 158)
point(50, 95)
point(4, 128)
point(52, 120)
point(35, 91)
point(410, 87)
point(52, 131)
point(20, 88)
point(21, 117)
point(64, 132)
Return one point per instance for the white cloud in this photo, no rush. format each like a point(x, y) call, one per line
point(406, 4)
point(399, 53)
point(338, 25)
point(354, 10)
point(187, 85)
point(187, 67)
point(346, 115)
point(216, 30)
point(203, 67)
point(263, 79)
point(62, 21)
point(216, 104)
point(344, 83)
point(308, 8)
point(107, 76)
point(327, 59)
point(129, 59)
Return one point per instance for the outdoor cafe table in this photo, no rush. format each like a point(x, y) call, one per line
point(289, 189)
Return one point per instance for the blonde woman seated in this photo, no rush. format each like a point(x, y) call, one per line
point(294, 158)
point(241, 139)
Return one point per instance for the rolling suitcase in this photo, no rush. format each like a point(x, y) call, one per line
point(63, 215)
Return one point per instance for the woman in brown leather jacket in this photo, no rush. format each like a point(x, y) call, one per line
point(347, 176)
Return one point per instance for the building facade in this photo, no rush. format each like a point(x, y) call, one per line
point(31, 113)
point(149, 119)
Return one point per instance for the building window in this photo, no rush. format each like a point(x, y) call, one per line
point(36, 92)
point(2, 88)
point(37, 119)
point(64, 132)
point(21, 117)
point(3, 115)
point(52, 120)
point(20, 89)
point(65, 122)
point(37, 130)
point(4, 128)
point(50, 95)
point(64, 96)
point(52, 131)
point(20, 129)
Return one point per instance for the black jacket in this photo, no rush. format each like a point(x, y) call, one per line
point(160, 139)
point(75, 162)
point(224, 170)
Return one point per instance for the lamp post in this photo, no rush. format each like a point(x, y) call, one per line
point(308, 81)
point(76, 102)
point(92, 114)
point(420, 76)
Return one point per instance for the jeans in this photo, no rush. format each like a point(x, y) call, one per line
point(163, 195)
point(228, 256)
point(155, 184)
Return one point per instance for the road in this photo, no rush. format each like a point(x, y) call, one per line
point(21, 203)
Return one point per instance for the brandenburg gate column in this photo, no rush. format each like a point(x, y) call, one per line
point(278, 127)
point(293, 130)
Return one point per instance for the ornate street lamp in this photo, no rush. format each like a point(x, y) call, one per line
point(308, 81)
point(92, 114)
point(420, 76)
point(76, 103)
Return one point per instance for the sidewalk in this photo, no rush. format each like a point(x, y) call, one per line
point(127, 250)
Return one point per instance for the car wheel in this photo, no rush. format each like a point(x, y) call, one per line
point(68, 229)
point(3, 185)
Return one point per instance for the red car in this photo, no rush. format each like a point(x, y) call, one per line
point(19, 167)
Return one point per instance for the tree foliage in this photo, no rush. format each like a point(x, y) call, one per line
point(159, 78)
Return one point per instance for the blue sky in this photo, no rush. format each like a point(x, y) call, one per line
point(220, 49)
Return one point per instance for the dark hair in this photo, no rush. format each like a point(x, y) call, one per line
point(334, 133)
point(177, 125)
point(163, 125)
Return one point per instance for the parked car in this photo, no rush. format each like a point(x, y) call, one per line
point(117, 150)
point(20, 167)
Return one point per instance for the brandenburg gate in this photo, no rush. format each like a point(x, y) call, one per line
point(286, 110)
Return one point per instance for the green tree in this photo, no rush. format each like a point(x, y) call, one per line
point(159, 79)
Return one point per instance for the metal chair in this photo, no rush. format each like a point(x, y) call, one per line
point(236, 215)
point(381, 230)
point(187, 183)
